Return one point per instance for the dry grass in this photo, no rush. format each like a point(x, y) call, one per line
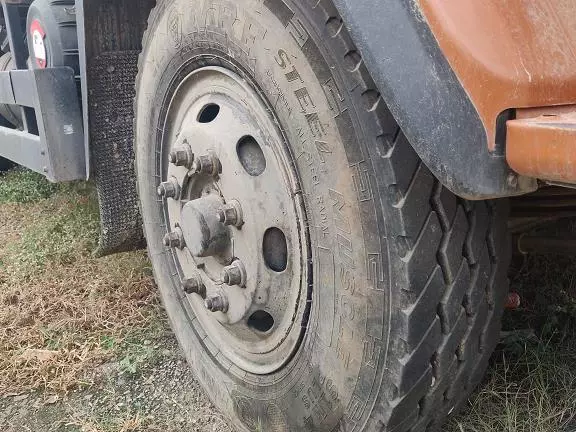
point(124, 422)
point(63, 312)
point(531, 386)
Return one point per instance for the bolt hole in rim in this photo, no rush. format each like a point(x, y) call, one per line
point(260, 325)
point(251, 156)
point(208, 113)
point(275, 249)
point(261, 321)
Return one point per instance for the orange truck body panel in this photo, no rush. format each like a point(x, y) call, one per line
point(544, 146)
point(511, 55)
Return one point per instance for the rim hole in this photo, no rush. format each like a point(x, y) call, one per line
point(261, 321)
point(251, 156)
point(275, 250)
point(208, 113)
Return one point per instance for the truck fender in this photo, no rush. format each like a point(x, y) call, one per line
point(427, 99)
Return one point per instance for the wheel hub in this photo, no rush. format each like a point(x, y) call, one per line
point(234, 218)
point(204, 234)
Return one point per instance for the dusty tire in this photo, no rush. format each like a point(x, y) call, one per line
point(409, 280)
point(57, 19)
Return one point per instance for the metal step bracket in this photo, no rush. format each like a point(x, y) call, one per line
point(57, 149)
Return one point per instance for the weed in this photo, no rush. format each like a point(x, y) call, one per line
point(137, 356)
point(23, 186)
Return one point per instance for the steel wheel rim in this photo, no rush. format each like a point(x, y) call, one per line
point(252, 188)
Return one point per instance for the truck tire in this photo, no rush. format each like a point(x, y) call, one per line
point(8, 113)
point(258, 120)
point(52, 23)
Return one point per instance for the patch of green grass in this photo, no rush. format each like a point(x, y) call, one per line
point(136, 359)
point(24, 186)
point(108, 343)
point(141, 348)
point(58, 236)
point(64, 311)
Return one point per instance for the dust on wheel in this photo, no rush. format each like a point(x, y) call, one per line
point(233, 206)
point(317, 275)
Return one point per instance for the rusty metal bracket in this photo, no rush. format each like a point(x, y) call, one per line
point(544, 146)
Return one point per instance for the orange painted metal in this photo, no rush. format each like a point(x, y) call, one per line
point(508, 54)
point(553, 111)
point(543, 147)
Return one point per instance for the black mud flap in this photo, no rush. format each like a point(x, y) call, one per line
point(112, 92)
point(112, 31)
point(427, 99)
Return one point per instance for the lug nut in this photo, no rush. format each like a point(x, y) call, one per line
point(194, 285)
point(234, 274)
point(217, 303)
point(231, 214)
point(207, 164)
point(182, 156)
point(175, 239)
point(169, 189)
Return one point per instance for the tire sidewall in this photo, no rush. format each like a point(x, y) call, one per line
point(52, 40)
point(59, 38)
point(337, 372)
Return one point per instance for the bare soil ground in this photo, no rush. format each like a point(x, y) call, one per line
point(85, 345)
point(163, 397)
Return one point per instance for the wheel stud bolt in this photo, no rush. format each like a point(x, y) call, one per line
point(169, 189)
point(234, 274)
point(217, 303)
point(194, 285)
point(231, 214)
point(207, 164)
point(175, 239)
point(182, 156)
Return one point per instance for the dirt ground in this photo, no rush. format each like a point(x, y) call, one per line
point(85, 345)
point(164, 397)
